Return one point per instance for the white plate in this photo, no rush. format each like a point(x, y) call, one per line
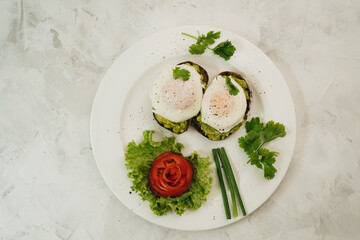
point(122, 110)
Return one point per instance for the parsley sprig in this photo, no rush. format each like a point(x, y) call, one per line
point(257, 136)
point(178, 72)
point(224, 49)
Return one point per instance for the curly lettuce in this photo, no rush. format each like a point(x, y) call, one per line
point(139, 159)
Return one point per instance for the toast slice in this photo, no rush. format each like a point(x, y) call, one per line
point(181, 127)
point(210, 132)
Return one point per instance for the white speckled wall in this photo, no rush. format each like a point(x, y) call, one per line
point(53, 55)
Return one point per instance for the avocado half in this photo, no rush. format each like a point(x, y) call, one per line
point(181, 127)
point(210, 132)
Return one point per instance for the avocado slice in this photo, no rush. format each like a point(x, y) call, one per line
point(176, 128)
point(181, 127)
point(210, 132)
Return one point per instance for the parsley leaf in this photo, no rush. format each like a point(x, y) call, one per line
point(257, 136)
point(273, 130)
point(266, 153)
point(225, 50)
point(177, 72)
point(254, 124)
point(197, 49)
point(233, 90)
point(269, 171)
point(254, 160)
point(209, 38)
point(250, 142)
point(267, 156)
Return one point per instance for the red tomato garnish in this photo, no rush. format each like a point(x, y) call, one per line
point(170, 175)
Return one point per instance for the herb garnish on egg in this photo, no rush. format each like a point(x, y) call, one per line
point(177, 72)
point(233, 90)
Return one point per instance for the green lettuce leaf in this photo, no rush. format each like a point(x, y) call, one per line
point(139, 159)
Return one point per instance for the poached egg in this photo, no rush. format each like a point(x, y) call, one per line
point(175, 99)
point(220, 109)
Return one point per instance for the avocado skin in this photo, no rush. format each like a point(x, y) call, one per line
point(181, 127)
point(210, 132)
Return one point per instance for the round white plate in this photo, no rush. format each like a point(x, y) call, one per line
point(122, 111)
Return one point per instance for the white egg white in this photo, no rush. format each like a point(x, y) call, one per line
point(175, 99)
point(220, 109)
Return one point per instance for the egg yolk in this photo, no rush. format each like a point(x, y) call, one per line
point(179, 94)
point(221, 104)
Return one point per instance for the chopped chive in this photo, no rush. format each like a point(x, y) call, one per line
point(222, 185)
point(233, 181)
point(229, 181)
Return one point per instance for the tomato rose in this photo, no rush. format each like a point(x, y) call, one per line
point(170, 175)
